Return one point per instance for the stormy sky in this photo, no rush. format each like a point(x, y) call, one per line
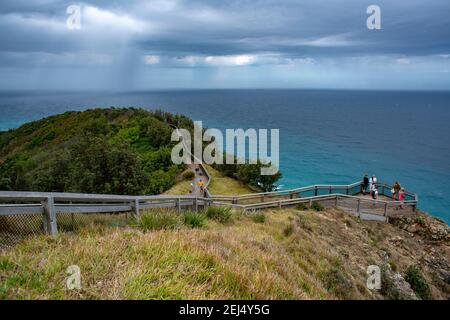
point(159, 44)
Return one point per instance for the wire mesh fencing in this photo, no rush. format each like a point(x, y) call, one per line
point(72, 222)
point(19, 225)
point(20, 222)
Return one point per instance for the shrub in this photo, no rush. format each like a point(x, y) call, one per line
point(159, 181)
point(393, 265)
point(194, 219)
point(390, 288)
point(418, 283)
point(220, 214)
point(6, 264)
point(188, 175)
point(250, 174)
point(302, 207)
point(421, 221)
point(259, 217)
point(317, 206)
point(336, 282)
point(159, 220)
point(288, 230)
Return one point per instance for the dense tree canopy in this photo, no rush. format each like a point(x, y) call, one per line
point(250, 174)
point(120, 151)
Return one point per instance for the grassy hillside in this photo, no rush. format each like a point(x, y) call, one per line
point(123, 151)
point(224, 185)
point(280, 254)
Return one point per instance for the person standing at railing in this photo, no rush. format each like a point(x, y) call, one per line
point(374, 191)
point(372, 185)
point(365, 184)
point(401, 198)
point(395, 190)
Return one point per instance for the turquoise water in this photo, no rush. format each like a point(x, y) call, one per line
point(326, 136)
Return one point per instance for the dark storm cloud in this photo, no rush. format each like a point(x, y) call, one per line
point(232, 27)
point(306, 28)
point(122, 35)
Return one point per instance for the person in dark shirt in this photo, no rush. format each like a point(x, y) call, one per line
point(365, 185)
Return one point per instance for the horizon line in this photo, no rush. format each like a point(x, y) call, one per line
point(218, 89)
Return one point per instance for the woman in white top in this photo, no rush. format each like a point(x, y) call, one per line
point(374, 191)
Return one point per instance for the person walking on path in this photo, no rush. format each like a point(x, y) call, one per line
point(200, 185)
point(365, 185)
point(395, 190)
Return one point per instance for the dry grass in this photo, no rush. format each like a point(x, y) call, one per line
point(180, 188)
point(325, 256)
point(244, 260)
point(223, 185)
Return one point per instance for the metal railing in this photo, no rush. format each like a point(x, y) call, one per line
point(28, 213)
point(367, 209)
point(311, 191)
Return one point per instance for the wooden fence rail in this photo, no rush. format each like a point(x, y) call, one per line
point(51, 204)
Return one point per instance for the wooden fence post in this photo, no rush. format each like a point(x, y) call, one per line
point(195, 205)
point(50, 224)
point(416, 200)
point(135, 206)
point(336, 201)
point(178, 203)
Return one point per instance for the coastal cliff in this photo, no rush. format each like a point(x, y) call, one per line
point(274, 254)
point(288, 253)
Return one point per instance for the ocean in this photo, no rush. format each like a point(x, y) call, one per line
point(326, 136)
